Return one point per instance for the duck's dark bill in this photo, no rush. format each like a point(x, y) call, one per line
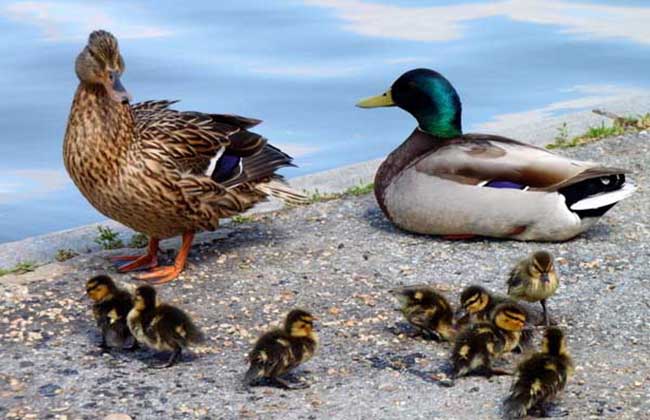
point(116, 90)
point(385, 99)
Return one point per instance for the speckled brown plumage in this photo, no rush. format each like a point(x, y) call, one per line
point(148, 166)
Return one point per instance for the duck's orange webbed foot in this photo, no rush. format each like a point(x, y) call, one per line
point(167, 273)
point(149, 260)
point(160, 275)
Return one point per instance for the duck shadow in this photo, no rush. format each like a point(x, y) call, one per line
point(408, 364)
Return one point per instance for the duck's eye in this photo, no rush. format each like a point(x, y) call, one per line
point(605, 181)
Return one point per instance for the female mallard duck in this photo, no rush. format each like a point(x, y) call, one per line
point(443, 182)
point(160, 171)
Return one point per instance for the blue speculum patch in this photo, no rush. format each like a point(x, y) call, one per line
point(504, 184)
point(226, 168)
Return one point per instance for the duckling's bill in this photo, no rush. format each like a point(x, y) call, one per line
point(385, 99)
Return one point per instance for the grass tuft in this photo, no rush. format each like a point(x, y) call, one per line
point(138, 240)
point(108, 238)
point(64, 255)
point(621, 126)
point(359, 190)
point(20, 268)
point(239, 219)
point(355, 191)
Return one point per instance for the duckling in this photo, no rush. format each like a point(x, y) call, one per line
point(541, 376)
point(534, 279)
point(282, 349)
point(477, 344)
point(427, 310)
point(160, 326)
point(477, 303)
point(111, 307)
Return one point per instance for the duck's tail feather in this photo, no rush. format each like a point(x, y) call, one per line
point(603, 199)
point(593, 193)
point(277, 188)
point(258, 167)
point(259, 170)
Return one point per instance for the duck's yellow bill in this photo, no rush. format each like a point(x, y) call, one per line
point(385, 99)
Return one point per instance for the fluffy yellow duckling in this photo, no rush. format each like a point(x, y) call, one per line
point(110, 309)
point(541, 376)
point(281, 350)
point(427, 310)
point(534, 279)
point(478, 344)
point(161, 327)
point(477, 304)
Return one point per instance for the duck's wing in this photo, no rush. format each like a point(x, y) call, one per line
point(190, 141)
point(479, 158)
point(214, 152)
point(499, 162)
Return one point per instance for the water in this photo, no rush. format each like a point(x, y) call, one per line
point(300, 66)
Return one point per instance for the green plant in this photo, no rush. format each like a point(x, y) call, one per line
point(138, 240)
point(20, 268)
point(361, 189)
point(108, 238)
point(602, 131)
point(562, 140)
point(239, 219)
point(64, 255)
point(318, 197)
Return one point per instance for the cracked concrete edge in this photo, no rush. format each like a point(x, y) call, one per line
point(42, 249)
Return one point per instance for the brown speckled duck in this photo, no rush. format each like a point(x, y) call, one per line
point(160, 171)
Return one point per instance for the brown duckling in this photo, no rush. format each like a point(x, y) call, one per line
point(477, 303)
point(428, 311)
point(534, 279)
point(161, 327)
point(541, 376)
point(110, 309)
point(479, 343)
point(281, 350)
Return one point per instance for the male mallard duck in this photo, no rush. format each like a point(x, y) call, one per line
point(161, 326)
point(160, 171)
point(111, 307)
point(443, 182)
point(541, 376)
point(281, 350)
point(534, 279)
point(427, 310)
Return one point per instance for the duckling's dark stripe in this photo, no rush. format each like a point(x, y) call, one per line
point(515, 316)
point(472, 300)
